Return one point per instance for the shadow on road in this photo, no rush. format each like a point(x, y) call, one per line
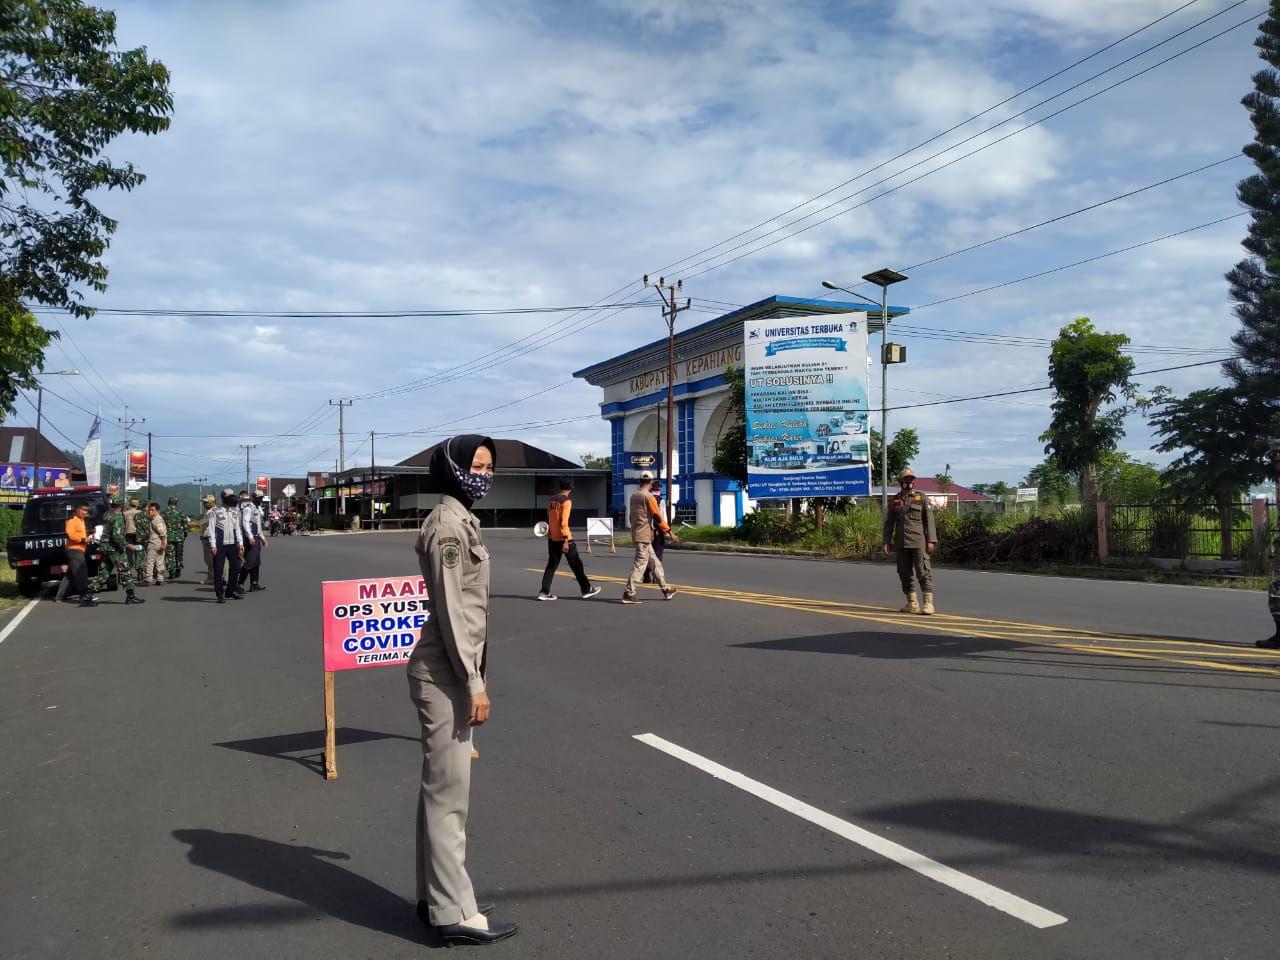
point(304, 874)
point(309, 743)
point(1238, 831)
point(884, 646)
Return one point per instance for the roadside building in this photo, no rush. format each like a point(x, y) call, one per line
point(634, 386)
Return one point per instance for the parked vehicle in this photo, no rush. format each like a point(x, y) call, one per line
point(39, 552)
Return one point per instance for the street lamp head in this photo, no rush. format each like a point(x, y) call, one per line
point(829, 285)
point(885, 277)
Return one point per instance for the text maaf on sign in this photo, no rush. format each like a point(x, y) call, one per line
point(372, 623)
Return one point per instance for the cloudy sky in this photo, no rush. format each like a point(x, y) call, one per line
point(399, 156)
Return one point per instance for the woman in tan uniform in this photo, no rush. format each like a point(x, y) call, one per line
point(447, 684)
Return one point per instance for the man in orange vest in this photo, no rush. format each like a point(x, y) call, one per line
point(560, 544)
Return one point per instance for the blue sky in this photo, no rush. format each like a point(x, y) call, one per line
point(499, 156)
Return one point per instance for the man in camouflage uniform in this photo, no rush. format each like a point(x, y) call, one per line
point(1273, 582)
point(176, 523)
point(115, 550)
point(142, 525)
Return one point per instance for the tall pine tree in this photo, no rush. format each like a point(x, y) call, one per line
point(1255, 281)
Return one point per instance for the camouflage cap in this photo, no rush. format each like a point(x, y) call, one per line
point(173, 501)
point(117, 500)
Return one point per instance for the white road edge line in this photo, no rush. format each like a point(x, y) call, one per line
point(984, 892)
point(13, 624)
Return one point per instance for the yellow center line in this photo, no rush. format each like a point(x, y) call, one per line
point(1160, 649)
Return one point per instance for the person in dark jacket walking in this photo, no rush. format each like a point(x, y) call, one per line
point(560, 544)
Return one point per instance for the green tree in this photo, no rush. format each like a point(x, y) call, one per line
point(943, 479)
point(1087, 370)
point(1212, 427)
point(22, 343)
point(1255, 280)
point(998, 489)
point(1121, 479)
point(592, 462)
point(1052, 482)
point(67, 92)
point(731, 449)
point(903, 448)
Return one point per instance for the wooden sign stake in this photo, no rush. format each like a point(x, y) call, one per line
point(330, 730)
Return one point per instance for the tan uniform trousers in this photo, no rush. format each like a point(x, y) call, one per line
point(153, 565)
point(445, 798)
point(915, 560)
point(644, 557)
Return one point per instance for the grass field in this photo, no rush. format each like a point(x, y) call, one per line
point(9, 588)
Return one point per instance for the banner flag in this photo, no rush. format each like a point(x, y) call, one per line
point(93, 453)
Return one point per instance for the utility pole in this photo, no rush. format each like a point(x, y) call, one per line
point(201, 481)
point(669, 311)
point(247, 448)
point(148, 466)
point(342, 454)
point(373, 503)
point(129, 423)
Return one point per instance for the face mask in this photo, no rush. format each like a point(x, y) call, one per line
point(474, 485)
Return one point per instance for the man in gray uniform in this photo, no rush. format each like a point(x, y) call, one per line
point(227, 544)
point(909, 528)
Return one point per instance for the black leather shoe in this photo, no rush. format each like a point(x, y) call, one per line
point(89, 602)
point(132, 599)
point(1270, 644)
point(235, 594)
point(256, 586)
point(220, 600)
point(424, 911)
point(455, 933)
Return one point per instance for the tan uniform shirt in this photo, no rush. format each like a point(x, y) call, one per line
point(909, 524)
point(157, 536)
point(643, 509)
point(455, 564)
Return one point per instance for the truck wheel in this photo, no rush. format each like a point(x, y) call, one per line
point(29, 583)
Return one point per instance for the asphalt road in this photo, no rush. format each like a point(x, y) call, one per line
point(775, 763)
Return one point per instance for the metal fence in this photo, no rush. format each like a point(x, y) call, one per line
point(1170, 530)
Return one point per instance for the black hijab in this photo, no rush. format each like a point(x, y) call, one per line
point(455, 452)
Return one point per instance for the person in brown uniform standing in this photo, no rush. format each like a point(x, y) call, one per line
point(909, 528)
point(560, 544)
point(643, 509)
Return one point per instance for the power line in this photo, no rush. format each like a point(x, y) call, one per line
point(338, 314)
point(1101, 256)
point(949, 163)
point(935, 137)
point(1010, 393)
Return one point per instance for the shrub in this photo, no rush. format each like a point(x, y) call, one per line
point(10, 522)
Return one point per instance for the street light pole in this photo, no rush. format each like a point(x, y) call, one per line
point(882, 279)
point(35, 457)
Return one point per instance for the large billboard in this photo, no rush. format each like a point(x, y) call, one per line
point(17, 480)
point(806, 404)
point(139, 470)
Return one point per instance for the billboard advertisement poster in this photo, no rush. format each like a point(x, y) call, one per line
point(371, 623)
point(17, 480)
point(139, 470)
point(806, 406)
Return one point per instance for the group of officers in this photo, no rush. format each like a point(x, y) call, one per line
point(136, 544)
point(234, 536)
point(141, 546)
